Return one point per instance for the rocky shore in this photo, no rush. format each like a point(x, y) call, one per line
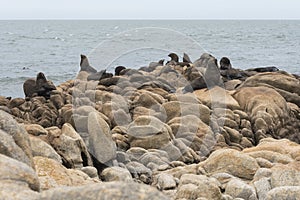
point(179, 130)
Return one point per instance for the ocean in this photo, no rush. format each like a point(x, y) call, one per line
point(54, 47)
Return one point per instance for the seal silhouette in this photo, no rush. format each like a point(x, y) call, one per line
point(38, 87)
point(85, 65)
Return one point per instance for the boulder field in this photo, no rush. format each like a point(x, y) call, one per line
point(172, 132)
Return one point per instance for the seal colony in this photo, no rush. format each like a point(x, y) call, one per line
point(176, 129)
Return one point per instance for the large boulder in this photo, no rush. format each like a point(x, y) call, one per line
point(100, 142)
point(70, 146)
point(18, 134)
point(268, 110)
point(53, 174)
point(17, 172)
point(149, 133)
point(231, 161)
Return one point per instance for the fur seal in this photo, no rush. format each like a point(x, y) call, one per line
point(156, 64)
point(174, 57)
point(118, 70)
point(225, 63)
point(264, 69)
point(186, 58)
point(85, 65)
point(99, 75)
point(39, 86)
point(196, 84)
point(175, 60)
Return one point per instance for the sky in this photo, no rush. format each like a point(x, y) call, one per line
point(150, 9)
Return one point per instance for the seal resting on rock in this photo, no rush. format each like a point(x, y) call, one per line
point(99, 76)
point(264, 69)
point(118, 70)
point(225, 63)
point(85, 65)
point(175, 60)
point(38, 87)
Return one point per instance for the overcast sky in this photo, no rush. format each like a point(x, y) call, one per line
point(150, 9)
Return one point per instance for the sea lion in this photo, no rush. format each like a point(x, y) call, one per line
point(39, 86)
point(85, 65)
point(174, 57)
point(118, 70)
point(99, 75)
point(264, 69)
point(225, 63)
point(156, 64)
point(175, 61)
point(186, 58)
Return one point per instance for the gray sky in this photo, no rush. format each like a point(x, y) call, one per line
point(150, 9)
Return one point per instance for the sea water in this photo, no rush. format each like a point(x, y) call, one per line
point(54, 47)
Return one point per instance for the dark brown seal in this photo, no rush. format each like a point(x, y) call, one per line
point(38, 87)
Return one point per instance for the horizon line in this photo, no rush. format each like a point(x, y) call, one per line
point(154, 19)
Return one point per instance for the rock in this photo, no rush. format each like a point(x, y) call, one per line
point(262, 187)
point(116, 174)
point(217, 97)
point(278, 80)
point(100, 145)
point(16, 102)
point(41, 148)
point(271, 156)
point(53, 174)
point(165, 181)
point(9, 148)
point(286, 175)
point(266, 107)
point(114, 190)
point(284, 147)
point(231, 161)
point(35, 129)
point(12, 170)
point(201, 186)
point(138, 170)
point(90, 171)
point(18, 134)
point(239, 189)
point(149, 133)
point(286, 192)
point(70, 146)
point(179, 109)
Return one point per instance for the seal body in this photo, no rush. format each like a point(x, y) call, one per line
point(85, 65)
point(38, 87)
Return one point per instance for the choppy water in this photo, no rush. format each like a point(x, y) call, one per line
point(53, 47)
